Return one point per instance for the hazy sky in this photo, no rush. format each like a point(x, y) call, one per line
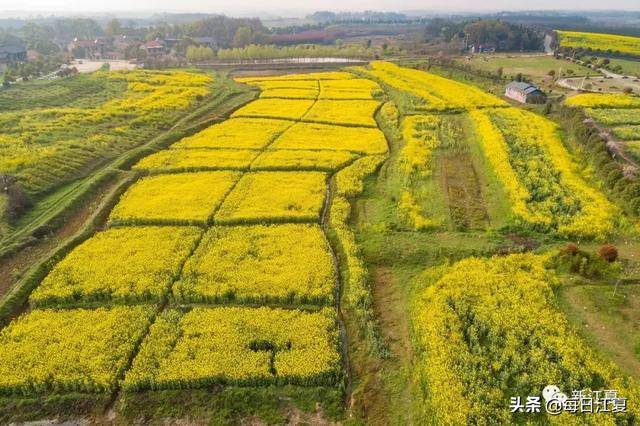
point(298, 6)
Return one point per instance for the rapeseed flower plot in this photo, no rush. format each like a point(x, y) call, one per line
point(290, 109)
point(348, 89)
point(289, 264)
point(596, 41)
point(420, 135)
point(597, 100)
point(297, 159)
point(275, 197)
point(323, 136)
point(146, 260)
point(409, 206)
point(472, 321)
point(47, 145)
point(265, 85)
point(615, 116)
point(551, 176)
point(179, 199)
point(349, 181)
point(242, 133)
point(285, 93)
point(438, 93)
point(77, 350)
point(237, 346)
point(195, 160)
point(344, 112)
point(335, 75)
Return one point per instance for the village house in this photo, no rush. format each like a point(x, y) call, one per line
point(87, 49)
point(525, 93)
point(154, 47)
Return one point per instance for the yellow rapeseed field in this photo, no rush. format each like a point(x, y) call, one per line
point(541, 179)
point(420, 136)
point(487, 328)
point(75, 350)
point(596, 41)
point(192, 160)
point(335, 75)
point(285, 93)
point(233, 345)
point(348, 89)
point(291, 109)
point(344, 112)
point(297, 159)
point(437, 93)
point(275, 197)
point(323, 136)
point(269, 84)
point(183, 198)
point(288, 263)
point(597, 100)
point(244, 133)
point(121, 264)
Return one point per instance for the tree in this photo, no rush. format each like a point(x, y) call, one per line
point(242, 37)
point(199, 54)
point(114, 27)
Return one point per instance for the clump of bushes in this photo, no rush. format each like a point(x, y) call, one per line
point(589, 265)
point(17, 201)
point(608, 252)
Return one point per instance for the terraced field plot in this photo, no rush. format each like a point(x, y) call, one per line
point(123, 264)
point(348, 89)
point(242, 346)
point(197, 160)
point(69, 350)
point(278, 263)
point(344, 112)
point(290, 109)
point(184, 198)
point(73, 124)
point(275, 197)
point(302, 160)
point(287, 93)
point(324, 136)
point(241, 133)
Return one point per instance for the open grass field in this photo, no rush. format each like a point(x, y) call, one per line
point(625, 66)
point(537, 67)
point(376, 245)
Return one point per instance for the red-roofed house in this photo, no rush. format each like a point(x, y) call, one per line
point(154, 47)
